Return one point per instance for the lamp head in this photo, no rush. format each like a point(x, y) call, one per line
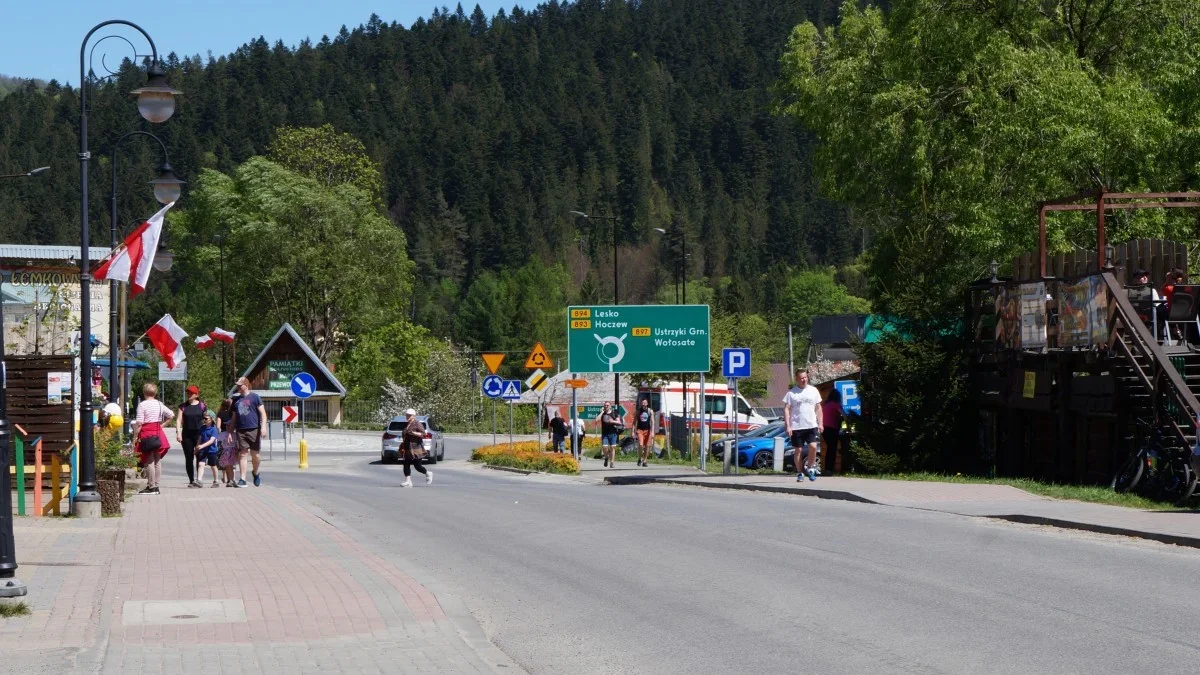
point(156, 100)
point(167, 187)
point(38, 171)
point(581, 214)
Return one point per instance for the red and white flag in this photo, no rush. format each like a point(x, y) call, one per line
point(204, 342)
point(222, 335)
point(132, 260)
point(167, 338)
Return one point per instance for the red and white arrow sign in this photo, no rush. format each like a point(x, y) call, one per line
point(289, 414)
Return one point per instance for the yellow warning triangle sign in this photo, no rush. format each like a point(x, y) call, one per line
point(538, 358)
point(492, 360)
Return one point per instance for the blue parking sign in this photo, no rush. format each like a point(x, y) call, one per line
point(735, 362)
point(849, 392)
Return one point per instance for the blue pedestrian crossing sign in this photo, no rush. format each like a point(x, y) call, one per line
point(303, 385)
point(735, 362)
point(493, 386)
point(848, 389)
point(512, 390)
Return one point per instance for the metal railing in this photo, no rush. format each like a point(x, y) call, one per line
point(1130, 336)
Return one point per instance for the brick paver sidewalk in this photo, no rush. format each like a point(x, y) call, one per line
point(64, 562)
point(230, 581)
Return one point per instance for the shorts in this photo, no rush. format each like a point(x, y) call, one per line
point(248, 440)
point(643, 437)
point(608, 439)
point(803, 437)
point(212, 459)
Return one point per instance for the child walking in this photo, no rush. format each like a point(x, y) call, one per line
point(207, 447)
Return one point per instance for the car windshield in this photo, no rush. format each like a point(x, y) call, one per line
point(396, 425)
point(766, 430)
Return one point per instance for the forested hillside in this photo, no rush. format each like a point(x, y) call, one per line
point(488, 132)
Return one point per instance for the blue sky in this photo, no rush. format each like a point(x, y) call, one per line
point(40, 38)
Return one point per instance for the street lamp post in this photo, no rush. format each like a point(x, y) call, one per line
point(156, 103)
point(616, 294)
point(166, 190)
point(10, 585)
point(224, 367)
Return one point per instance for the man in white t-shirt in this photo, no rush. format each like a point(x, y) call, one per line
point(802, 421)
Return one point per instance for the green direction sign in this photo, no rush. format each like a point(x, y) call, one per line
point(280, 374)
point(591, 412)
point(638, 339)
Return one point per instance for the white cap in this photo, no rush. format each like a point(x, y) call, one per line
point(410, 412)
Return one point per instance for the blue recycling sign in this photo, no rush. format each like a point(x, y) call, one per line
point(303, 385)
point(493, 386)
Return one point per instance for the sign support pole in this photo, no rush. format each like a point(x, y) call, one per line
point(510, 424)
point(575, 449)
point(736, 430)
point(539, 424)
point(493, 421)
point(700, 427)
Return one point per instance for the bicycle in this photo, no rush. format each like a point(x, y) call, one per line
point(1157, 472)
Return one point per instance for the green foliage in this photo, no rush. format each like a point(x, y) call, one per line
point(326, 156)
point(318, 257)
point(110, 452)
point(397, 351)
point(815, 292)
point(442, 391)
point(915, 395)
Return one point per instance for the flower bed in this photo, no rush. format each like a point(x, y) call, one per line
point(525, 455)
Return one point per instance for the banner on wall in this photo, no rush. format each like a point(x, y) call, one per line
point(1033, 315)
point(1083, 313)
point(1008, 318)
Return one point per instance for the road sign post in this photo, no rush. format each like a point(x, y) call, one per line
point(735, 364)
point(702, 428)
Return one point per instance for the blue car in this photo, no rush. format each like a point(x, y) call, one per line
point(757, 451)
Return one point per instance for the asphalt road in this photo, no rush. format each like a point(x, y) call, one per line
point(571, 576)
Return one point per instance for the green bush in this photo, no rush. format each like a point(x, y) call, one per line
point(867, 460)
point(111, 452)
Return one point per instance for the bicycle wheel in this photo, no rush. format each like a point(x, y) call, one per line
point(1187, 482)
point(1129, 474)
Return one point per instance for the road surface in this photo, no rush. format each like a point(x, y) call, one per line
point(566, 575)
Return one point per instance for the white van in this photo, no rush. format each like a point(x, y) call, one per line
point(720, 405)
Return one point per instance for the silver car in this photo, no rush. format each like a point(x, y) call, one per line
point(435, 443)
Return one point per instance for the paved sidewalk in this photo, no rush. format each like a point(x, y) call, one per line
point(64, 562)
point(245, 581)
point(969, 499)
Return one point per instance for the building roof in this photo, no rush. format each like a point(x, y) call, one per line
point(54, 252)
point(308, 353)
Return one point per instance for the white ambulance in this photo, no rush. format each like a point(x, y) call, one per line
point(720, 407)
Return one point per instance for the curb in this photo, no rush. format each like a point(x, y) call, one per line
point(841, 495)
point(1176, 539)
point(523, 472)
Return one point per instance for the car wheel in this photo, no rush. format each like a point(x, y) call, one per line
point(764, 460)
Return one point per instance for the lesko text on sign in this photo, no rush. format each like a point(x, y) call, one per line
point(638, 339)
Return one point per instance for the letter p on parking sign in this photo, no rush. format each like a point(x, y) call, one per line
point(735, 362)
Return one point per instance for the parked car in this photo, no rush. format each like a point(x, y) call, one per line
point(435, 443)
point(758, 451)
point(717, 447)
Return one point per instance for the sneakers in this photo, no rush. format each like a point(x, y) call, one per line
point(257, 480)
point(155, 491)
point(800, 478)
point(407, 483)
point(195, 484)
point(429, 478)
point(216, 484)
point(147, 491)
point(812, 474)
point(241, 482)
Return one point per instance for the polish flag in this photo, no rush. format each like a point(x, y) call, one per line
point(167, 338)
point(132, 260)
point(204, 342)
point(222, 335)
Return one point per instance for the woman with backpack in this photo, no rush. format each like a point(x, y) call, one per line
point(189, 426)
point(152, 442)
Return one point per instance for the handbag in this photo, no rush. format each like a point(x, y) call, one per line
point(147, 444)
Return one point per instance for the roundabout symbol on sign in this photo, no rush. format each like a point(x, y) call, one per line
point(612, 356)
point(493, 386)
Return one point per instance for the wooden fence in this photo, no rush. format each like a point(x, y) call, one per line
point(1156, 256)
